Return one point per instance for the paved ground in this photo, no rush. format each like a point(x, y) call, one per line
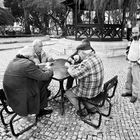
point(123, 123)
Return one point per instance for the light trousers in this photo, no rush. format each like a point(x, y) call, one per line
point(132, 84)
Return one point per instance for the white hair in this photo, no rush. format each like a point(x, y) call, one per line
point(36, 42)
point(27, 51)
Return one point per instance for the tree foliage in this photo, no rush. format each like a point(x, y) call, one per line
point(38, 13)
point(100, 6)
point(15, 7)
point(44, 11)
point(6, 17)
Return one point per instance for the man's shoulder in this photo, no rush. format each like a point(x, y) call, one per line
point(24, 61)
point(94, 59)
point(95, 56)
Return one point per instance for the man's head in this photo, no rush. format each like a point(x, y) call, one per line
point(85, 45)
point(135, 33)
point(37, 45)
point(83, 50)
point(86, 42)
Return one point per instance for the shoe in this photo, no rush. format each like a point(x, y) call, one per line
point(44, 112)
point(82, 113)
point(133, 99)
point(92, 110)
point(66, 99)
point(126, 94)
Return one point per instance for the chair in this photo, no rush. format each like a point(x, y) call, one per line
point(97, 102)
point(8, 111)
point(4, 108)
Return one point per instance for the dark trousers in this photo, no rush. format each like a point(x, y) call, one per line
point(69, 82)
point(44, 93)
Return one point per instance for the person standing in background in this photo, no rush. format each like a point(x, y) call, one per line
point(132, 84)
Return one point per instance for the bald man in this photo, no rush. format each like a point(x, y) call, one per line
point(132, 85)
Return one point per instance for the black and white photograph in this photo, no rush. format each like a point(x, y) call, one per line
point(69, 69)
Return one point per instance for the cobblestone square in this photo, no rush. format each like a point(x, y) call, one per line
point(122, 124)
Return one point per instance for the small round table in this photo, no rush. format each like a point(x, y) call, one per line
point(60, 74)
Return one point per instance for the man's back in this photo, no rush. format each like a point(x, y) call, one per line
point(90, 77)
point(20, 84)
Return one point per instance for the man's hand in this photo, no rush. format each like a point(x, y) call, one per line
point(138, 61)
point(47, 68)
point(71, 60)
point(67, 64)
point(41, 65)
point(76, 58)
point(50, 59)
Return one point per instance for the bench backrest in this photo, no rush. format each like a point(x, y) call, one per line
point(2, 97)
point(108, 91)
point(110, 85)
point(4, 101)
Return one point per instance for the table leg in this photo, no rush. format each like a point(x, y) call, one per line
point(62, 97)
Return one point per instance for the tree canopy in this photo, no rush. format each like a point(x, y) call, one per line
point(6, 17)
point(15, 7)
point(128, 6)
point(37, 13)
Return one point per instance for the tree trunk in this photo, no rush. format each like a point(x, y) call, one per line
point(61, 25)
point(27, 25)
point(46, 20)
point(64, 31)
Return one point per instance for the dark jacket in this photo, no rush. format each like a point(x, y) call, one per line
point(21, 86)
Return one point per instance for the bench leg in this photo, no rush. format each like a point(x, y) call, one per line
point(109, 111)
point(22, 131)
point(95, 112)
point(91, 124)
point(2, 117)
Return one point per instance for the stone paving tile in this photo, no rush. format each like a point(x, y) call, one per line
point(122, 124)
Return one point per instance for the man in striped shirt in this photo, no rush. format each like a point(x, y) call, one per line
point(89, 73)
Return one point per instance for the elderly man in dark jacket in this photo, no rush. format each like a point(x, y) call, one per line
point(21, 85)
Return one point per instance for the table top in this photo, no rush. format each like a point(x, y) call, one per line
point(60, 71)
